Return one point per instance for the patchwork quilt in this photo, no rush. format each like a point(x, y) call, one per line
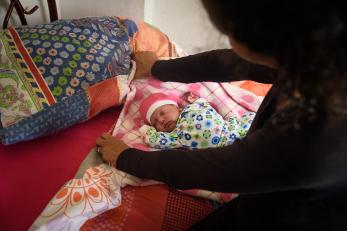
point(58, 74)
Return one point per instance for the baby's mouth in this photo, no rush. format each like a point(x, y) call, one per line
point(167, 124)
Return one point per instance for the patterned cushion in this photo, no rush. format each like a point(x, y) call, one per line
point(58, 74)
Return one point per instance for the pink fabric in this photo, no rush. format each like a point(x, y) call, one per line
point(227, 98)
point(32, 172)
point(154, 101)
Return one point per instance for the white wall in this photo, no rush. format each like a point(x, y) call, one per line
point(185, 21)
point(82, 8)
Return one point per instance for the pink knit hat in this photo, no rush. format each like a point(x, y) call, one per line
point(152, 102)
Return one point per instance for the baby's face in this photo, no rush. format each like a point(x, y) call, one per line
point(164, 118)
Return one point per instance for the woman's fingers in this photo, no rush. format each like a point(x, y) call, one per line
point(100, 141)
point(110, 147)
point(106, 135)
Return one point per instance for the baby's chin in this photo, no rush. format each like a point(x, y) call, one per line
point(168, 129)
point(172, 127)
point(165, 130)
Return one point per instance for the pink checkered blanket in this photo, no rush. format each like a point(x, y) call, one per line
point(227, 98)
point(99, 189)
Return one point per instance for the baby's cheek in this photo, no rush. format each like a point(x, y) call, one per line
point(153, 119)
point(177, 115)
point(172, 127)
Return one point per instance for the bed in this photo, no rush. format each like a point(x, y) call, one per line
point(34, 171)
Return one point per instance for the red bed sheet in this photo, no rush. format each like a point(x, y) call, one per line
point(32, 172)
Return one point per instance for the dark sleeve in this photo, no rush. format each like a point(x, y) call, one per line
point(263, 161)
point(217, 66)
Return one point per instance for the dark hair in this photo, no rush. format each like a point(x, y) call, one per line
point(308, 38)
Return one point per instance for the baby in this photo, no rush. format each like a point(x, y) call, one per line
point(196, 125)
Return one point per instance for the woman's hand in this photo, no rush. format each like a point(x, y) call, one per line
point(110, 147)
point(144, 63)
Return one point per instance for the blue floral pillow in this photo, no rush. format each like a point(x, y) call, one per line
point(49, 74)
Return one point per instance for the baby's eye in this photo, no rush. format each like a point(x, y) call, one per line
point(154, 121)
point(161, 113)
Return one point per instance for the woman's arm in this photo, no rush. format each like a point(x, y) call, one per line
point(264, 161)
point(217, 65)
